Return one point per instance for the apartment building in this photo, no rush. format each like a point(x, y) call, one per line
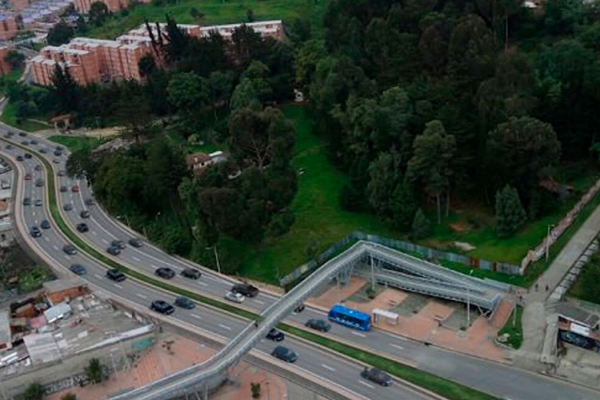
point(5, 67)
point(97, 60)
point(10, 24)
point(83, 6)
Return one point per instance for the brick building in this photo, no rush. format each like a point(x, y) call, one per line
point(83, 6)
point(10, 24)
point(62, 290)
point(97, 60)
point(5, 67)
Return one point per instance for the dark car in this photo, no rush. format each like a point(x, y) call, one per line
point(63, 189)
point(56, 161)
point(184, 302)
point(43, 150)
point(82, 227)
point(39, 202)
point(69, 249)
point(39, 182)
point(35, 232)
point(162, 307)
point(62, 172)
point(275, 335)
point(89, 202)
point(27, 201)
point(27, 155)
point(113, 250)
point(45, 224)
point(191, 273)
point(136, 242)
point(25, 142)
point(377, 376)
point(285, 354)
point(164, 272)
point(299, 309)
point(22, 134)
point(20, 158)
point(8, 147)
point(34, 142)
point(245, 289)
point(84, 214)
point(118, 243)
point(57, 153)
point(59, 148)
point(78, 269)
point(318, 325)
point(115, 275)
point(38, 167)
point(68, 207)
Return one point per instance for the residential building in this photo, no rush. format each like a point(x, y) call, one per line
point(61, 290)
point(10, 24)
point(5, 67)
point(198, 162)
point(5, 332)
point(83, 6)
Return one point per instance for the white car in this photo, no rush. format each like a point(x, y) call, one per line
point(235, 297)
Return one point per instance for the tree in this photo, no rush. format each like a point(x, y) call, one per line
point(220, 86)
point(384, 174)
point(421, 226)
point(245, 96)
point(15, 59)
point(255, 390)
point(510, 214)
point(69, 396)
point(431, 162)
point(248, 45)
point(146, 65)
point(95, 371)
point(98, 13)
point(60, 34)
point(249, 15)
point(133, 112)
point(65, 89)
point(471, 49)
point(403, 207)
point(177, 40)
point(188, 91)
point(34, 391)
point(196, 14)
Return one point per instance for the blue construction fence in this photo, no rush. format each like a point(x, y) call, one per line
point(403, 246)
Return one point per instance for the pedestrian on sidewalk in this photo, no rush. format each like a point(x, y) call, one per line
point(547, 287)
point(536, 286)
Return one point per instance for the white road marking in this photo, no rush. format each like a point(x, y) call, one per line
point(36, 222)
point(203, 284)
point(97, 276)
point(47, 239)
point(328, 367)
point(55, 247)
point(141, 296)
point(105, 241)
point(94, 233)
point(153, 266)
point(67, 257)
point(118, 286)
point(396, 346)
point(225, 327)
point(358, 334)
point(366, 384)
point(33, 213)
point(196, 316)
point(259, 302)
point(136, 258)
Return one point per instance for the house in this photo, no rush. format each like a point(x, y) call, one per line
point(5, 332)
point(61, 290)
point(198, 162)
point(57, 312)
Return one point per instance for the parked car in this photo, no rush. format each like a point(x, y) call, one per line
point(25, 142)
point(84, 214)
point(69, 249)
point(59, 148)
point(136, 242)
point(191, 273)
point(68, 207)
point(285, 354)
point(184, 302)
point(26, 201)
point(63, 189)
point(318, 325)
point(377, 376)
point(275, 335)
point(118, 243)
point(57, 153)
point(8, 147)
point(115, 275)
point(235, 297)
point(78, 269)
point(113, 250)
point(162, 307)
point(39, 202)
point(245, 289)
point(82, 227)
point(45, 224)
point(35, 232)
point(56, 161)
point(165, 273)
point(22, 134)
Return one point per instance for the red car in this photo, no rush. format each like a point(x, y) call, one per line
point(75, 189)
point(27, 177)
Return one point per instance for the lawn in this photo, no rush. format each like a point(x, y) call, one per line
point(215, 12)
point(74, 143)
point(587, 285)
point(514, 329)
point(9, 117)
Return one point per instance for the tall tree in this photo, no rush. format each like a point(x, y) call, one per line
point(60, 33)
point(177, 40)
point(220, 86)
point(65, 89)
point(510, 214)
point(471, 49)
point(15, 59)
point(95, 371)
point(98, 13)
point(421, 226)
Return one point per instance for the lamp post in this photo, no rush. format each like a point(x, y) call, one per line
point(124, 216)
point(214, 248)
point(550, 226)
point(469, 302)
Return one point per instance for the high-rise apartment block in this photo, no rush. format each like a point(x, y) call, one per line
point(97, 60)
point(83, 6)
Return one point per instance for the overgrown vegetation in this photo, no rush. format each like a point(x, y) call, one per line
point(512, 331)
point(587, 285)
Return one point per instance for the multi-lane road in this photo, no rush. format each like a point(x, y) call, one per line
point(497, 379)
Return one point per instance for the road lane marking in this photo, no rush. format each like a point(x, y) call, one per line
point(105, 241)
point(36, 222)
point(141, 296)
point(136, 258)
point(225, 327)
point(196, 316)
point(358, 334)
point(396, 346)
point(366, 384)
point(55, 247)
point(47, 239)
point(118, 286)
point(94, 233)
point(97, 276)
point(259, 302)
point(153, 266)
point(328, 367)
point(202, 284)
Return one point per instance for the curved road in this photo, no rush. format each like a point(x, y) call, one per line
point(497, 379)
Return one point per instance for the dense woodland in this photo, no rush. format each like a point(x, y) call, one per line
point(423, 103)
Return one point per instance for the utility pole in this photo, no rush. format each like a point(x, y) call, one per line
point(550, 226)
point(217, 258)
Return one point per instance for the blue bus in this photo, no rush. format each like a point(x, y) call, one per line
point(350, 318)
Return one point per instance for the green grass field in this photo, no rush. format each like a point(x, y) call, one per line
point(75, 143)
point(9, 117)
point(514, 329)
point(215, 12)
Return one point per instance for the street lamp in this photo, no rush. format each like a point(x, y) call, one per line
point(214, 248)
point(548, 241)
point(469, 302)
point(124, 216)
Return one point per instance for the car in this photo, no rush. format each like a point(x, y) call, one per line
point(10, 134)
point(20, 158)
point(8, 147)
point(285, 354)
point(69, 249)
point(68, 207)
point(63, 189)
point(59, 148)
point(376, 375)
point(62, 172)
point(43, 150)
point(27, 201)
point(165, 273)
point(45, 224)
point(27, 156)
point(34, 142)
point(35, 232)
point(191, 273)
point(113, 250)
point(89, 202)
point(39, 182)
point(38, 167)
point(136, 242)
point(275, 335)
point(115, 275)
point(39, 203)
point(56, 161)
point(184, 302)
point(82, 227)
point(7, 135)
point(22, 134)
point(57, 153)
point(118, 243)
point(75, 189)
point(299, 308)
point(318, 325)
point(28, 176)
point(162, 307)
point(78, 269)
point(245, 289)
point(85, 214)
point(25, 142)
point(235, 297)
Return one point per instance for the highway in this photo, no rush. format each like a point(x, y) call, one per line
point(497, 379)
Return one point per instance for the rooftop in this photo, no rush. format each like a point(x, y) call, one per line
point(62, 284)
point(576, 314)
point(5, 335)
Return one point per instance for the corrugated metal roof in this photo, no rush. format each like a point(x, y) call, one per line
point(5, 335)
point(42, 348)
point(57, 312)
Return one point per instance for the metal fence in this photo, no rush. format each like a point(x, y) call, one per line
point(407, 247)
